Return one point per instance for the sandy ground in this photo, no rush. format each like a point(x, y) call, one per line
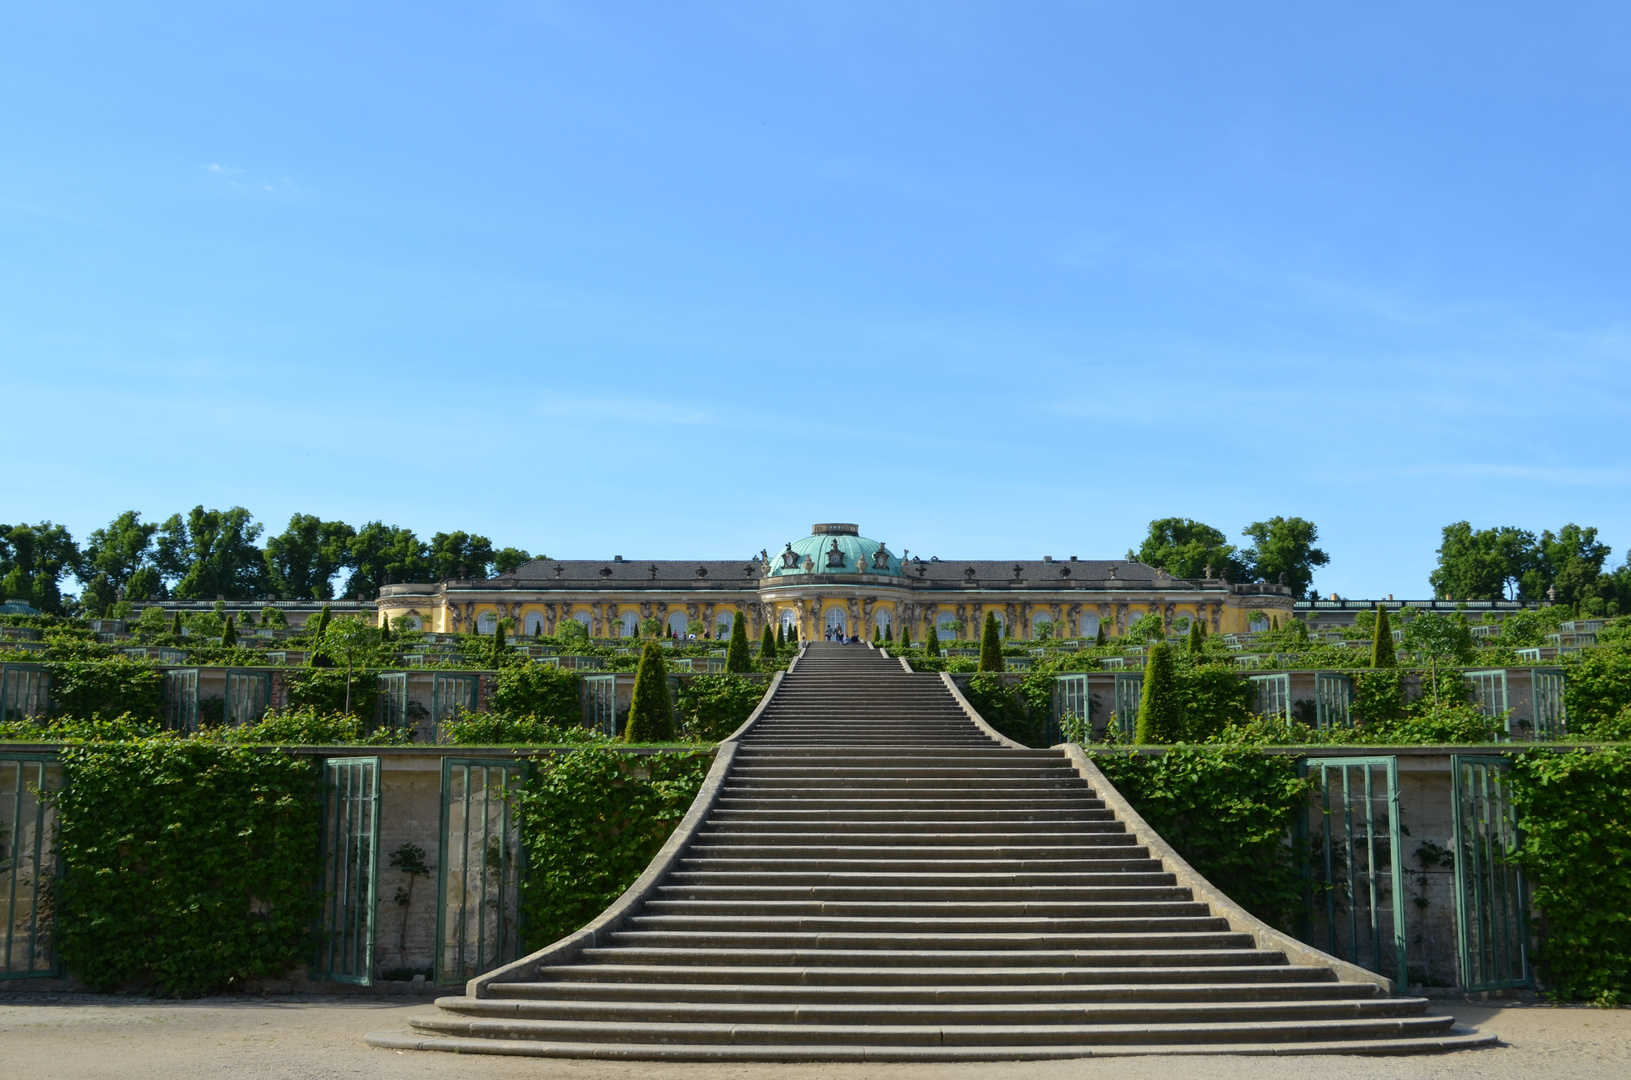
point(274, 1038)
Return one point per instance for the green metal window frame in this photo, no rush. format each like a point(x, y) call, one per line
point(1488, 690)
point(450, 694)
point(391, 710)
point(1546, 691)
point(478, 898)
point(1353, 865)
point(29, 866)
point(1491, 900)
point(599, 696)
point(180, 697)
point(25, 691)
point(247, 695)
point(1333, 700)
point(1070, 700)
point(1129, 698)
point(1273, 694)
point(347, 935)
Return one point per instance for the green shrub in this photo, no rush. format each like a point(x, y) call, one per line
point(1009, 709)
point(738, 660)
point(103, 689)
point(189, 865)
point(1227, 811)
point(651, 713)
point(1574, 810)
point(1160, 714)
point(713, 706)
point(767, 645)
point(502, 729)
point(1381, 650)
point(539, 692)
point(592, 820)
point(323, 690)
point(1209, 699)
point(1596, 688)
point(931, 644)
point(307, 726)
point(990, 645)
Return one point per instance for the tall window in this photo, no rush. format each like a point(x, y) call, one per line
point(534, 624)
point(486, 622)
point(945, 626)
point(630, 624)
point(676, 622)
point(1089, 625)
point(837, 620)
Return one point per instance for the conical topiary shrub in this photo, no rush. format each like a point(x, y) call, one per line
point(229, 633)
point(931, 644)
point(175, 625)
point(1194, 637)
point(1103, 636)
point(990, 644)
point(781, 637)
point(1381, 649)
point(767, 645)
point(385, 629)
point(651, 713)
point(877, 634)
point(889, 633)
point(738, 661)
point(1160, 717)
point(498, 644)
point(906, 637)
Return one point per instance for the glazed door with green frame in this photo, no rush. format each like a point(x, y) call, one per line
point(1354, 864)
point(1488, 690)
point(180, 700)
point(1547, 693)
point(1129, 691)
point(1491, 907)
point(1333, 700)
point(1070, 721)
point(345, 948)
point(391, 708)
point(29, 867)
point(599, 695)
point(1273, 695)
point(248, 694)
point(24, 691)
point(450, 695)
point(478, 894)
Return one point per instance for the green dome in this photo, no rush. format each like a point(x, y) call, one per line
point(834, 549)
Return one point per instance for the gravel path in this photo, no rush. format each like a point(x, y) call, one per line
point(74, 1036)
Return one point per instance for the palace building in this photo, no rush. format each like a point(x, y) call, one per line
point(832, 579)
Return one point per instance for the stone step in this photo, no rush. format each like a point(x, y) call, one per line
point(906, 978)
point(942, 909)
point(875, 1014)
point(745, 919)
point(700, 954)
point(678, 987)
point(1043, 886)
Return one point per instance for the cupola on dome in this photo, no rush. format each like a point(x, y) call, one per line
point(834, 548)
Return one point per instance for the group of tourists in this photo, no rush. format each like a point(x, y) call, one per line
point(836, 633)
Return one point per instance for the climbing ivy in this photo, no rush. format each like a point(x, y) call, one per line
point(1228, 812)
point(189, 865)
point(713, 706)
point(592, 820)
point(1574, 810)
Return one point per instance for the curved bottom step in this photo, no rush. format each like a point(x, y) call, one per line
point(1456, 1039)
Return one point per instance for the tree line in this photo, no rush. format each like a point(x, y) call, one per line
point(1508, 563)
point(1282, 552)
point(205, 554)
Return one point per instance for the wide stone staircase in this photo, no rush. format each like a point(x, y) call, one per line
point(880, 879)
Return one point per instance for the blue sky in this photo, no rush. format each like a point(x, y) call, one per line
point(680, 279)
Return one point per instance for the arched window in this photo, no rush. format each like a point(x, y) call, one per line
point(838, 620)
point(883, 620)
point(1089, 625)
point(790, 619)
point(486, 622)
point(945, 626)
point(1259, 623)
point(676, 622)
point(1179, 627)
point(585, 618)
point(1002, 627)
point(629, 623)
point(1042, 626)
point(414, 622)
point(534, 624)
point(722, 626)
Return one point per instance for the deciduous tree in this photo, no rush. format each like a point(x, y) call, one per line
point(1184, 548)
point(1283, 551)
